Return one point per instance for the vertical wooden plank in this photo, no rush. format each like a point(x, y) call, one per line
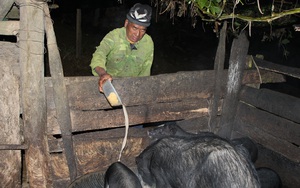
point(237, 61)
point(60, 94)
point(33, 91)
point(10, 164)
point(78, 33)
point(218, 69)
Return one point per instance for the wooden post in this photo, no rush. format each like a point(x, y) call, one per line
point(10, 164)
point(60, 94)
point(78, 33)
point(219, 69)
point(237, 61)
point(33, 91)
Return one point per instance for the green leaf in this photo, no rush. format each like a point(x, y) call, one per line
point(285, 41)
point(215, 10)
point(201, 3)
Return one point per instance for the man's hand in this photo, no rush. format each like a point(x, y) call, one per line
point(103, 79)
point(103, 76)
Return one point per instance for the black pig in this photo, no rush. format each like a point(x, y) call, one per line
point(172, 129)
point(249, 145)
point(191, 162)
point(120, 176)
point(268, 178)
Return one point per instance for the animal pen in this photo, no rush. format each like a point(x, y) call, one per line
point(56, 129)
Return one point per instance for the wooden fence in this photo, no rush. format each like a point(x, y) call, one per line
point(66, 128)
point(272, 120)
point(166, 97)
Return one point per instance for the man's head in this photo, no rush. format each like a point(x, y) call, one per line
point(140, 14)
point(138, 19)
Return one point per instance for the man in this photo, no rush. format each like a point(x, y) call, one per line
point(126, 51)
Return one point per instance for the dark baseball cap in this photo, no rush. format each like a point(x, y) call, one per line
point(140, 14)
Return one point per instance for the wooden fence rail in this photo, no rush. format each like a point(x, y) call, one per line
point(148, 99)
point(272, 120)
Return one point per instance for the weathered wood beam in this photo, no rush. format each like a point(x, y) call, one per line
point(102, 119)
point(267, 77)
point(97, 150)
point(271, 131)
point(78, 33)
point(238, 56)
point(56, 146)
point(10, 133)
point(60, 94)
point(91, 145)
point(11, 51)
point(9, 27)
point(166, 103)
point(83, 93)
point(193, 125)
point(283, 105)
point(287, 170)
point(269, 123)
point(13, 147)
point(282, 69)
point(143, 90)
point(219, 69)
point(33, 91)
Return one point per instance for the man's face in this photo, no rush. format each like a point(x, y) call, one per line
point(134, 32)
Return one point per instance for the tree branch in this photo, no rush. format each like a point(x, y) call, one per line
point(268, 19)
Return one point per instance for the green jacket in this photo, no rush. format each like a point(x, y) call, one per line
point(114, 54)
